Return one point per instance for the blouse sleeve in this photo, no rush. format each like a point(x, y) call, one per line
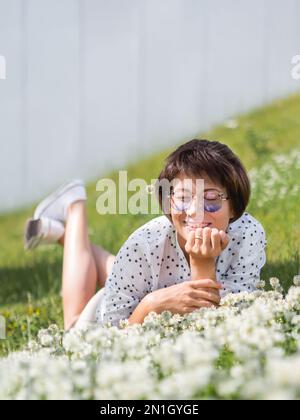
point(130, 280)
point(244, 273)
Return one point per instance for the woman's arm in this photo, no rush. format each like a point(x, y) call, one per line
point(204, 269)
point(140, 312)
point(180, 298)
point(128, 289)
point(203, 252)
point(202, 291)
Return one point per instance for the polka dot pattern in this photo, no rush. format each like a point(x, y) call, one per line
point(151, 259)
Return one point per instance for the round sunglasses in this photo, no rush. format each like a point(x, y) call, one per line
point(213, 200)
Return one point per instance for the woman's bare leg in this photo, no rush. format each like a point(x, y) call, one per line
point(103, 259)
point(80, 273)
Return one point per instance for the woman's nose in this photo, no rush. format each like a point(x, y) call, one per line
point(196, 209)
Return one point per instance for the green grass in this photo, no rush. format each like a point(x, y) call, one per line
point(30, 282)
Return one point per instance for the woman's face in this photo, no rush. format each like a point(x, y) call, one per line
point(192, 218)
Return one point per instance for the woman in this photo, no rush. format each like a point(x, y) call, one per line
point(175, 262)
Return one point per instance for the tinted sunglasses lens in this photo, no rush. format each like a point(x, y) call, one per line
point(179, 204)
point(211, 204)
point(212, 207)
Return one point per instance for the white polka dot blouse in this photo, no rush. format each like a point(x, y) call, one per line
point(151, 259)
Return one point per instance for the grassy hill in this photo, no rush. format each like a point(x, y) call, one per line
point(267, 141)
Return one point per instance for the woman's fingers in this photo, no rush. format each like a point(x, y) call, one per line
point(215, 239)
point(210, 290)
point(206, 239)
point(206, 242)
point(208, 296)
point(225, 239)
point(211, 240)
point(198, 240)
point(197, 304)
point(190, 241)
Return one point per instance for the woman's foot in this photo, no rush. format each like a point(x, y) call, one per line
point(55, 206)
point(47, 225)
point(42, 231)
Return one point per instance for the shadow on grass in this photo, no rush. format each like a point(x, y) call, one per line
point(38, 280)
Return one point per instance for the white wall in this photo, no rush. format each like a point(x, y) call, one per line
point(93, 84)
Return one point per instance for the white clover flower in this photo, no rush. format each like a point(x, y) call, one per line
point(296, 280)
point(296, 320)
point(261, 284)
point(274, 282)
point(46, 340)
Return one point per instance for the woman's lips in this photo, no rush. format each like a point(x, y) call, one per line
point(196, 226)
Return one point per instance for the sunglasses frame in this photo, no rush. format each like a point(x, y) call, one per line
point(220, 194)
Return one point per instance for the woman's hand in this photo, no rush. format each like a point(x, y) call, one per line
point(185, 297)
point(211, 244)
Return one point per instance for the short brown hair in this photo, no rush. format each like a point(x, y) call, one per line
point(218, 162)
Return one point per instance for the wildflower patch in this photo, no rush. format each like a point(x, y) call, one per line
point(247, 348)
